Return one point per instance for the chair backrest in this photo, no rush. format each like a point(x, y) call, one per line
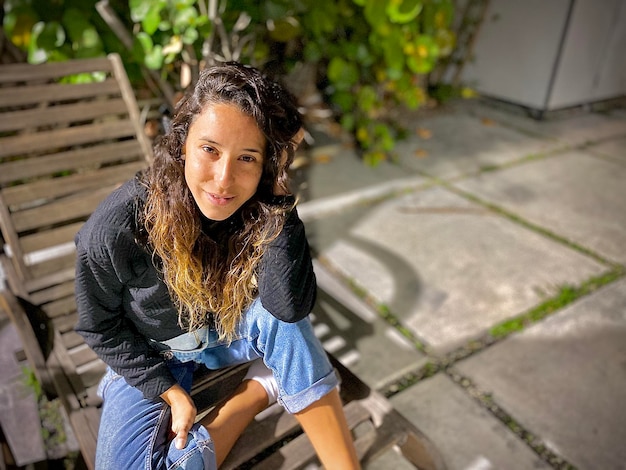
point(63, 148)
point(64, 145)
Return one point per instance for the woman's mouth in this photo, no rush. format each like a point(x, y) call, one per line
point(219, 199)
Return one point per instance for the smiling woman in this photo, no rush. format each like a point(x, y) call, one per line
point(223, 160)
point(203, 259)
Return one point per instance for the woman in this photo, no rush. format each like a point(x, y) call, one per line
point(203, 259)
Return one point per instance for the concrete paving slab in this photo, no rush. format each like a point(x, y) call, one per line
point(574, 194)
point(390, 460)
point(334, 168)
point(614, 149)
point(563, 379)
point(466, 434)
point(356, 335)
point(572, 128)
point(449, 269)
point(460, 144)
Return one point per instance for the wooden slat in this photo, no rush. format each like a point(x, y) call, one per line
point(35, 357)
point(23, 96)
point(52, 188)
point(60, 275)
point(60, 211)
point(19, 269)
point(91, 373)
point(49, 267)
point(61, 307)
point(59, 291)
point(298, 452)
point(84, 422)
point(30, 72)
point(43, 141)
point(49, 238)
point(91, 395)
point(71, 160)
point(71, 340)
point(61, 114)
point(65, 323)
point(82, 355)
point(259, 436)
point(68, 368)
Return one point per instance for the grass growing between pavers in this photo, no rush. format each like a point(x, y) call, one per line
point(487, 402)
point(566, 296)
point(445, 364)
point(529, 225)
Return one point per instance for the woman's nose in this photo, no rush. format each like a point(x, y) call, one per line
point(224, 172)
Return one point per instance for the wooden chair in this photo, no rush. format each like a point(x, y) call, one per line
point(63, 148)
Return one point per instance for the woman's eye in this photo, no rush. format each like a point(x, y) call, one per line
point(208, 149)
point(247, 158)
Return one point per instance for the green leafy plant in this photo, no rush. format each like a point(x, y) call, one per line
point(368, 56)
point(371, 55)
point(57, 31)
point(377, 55)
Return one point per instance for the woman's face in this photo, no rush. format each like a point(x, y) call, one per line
point(223, 155)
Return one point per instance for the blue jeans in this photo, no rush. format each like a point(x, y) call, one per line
point(134, 431)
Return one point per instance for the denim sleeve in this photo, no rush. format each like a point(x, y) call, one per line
point(102, 268)
point(287, 285)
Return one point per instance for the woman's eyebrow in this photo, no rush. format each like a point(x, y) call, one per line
point(209, 140)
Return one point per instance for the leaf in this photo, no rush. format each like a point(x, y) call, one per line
point(367, 98)
point(184, 19)
point(52, 35)
point(139, 9)
point(190, 35)
point(348, 121)
point(36, 54)
point(445, 40)
point(275, 10)
point(403, 11)
point(154, 58)
point(343, 74)
point(420, 153)
point(145, 41)
point(284, 29)
point(375, 13)
point(323, 158)
point(152, 19)
point(468, 93)
point(424, 133)
point(174, 46)
point(18, 24)
point(343, 99)
point(393, 54)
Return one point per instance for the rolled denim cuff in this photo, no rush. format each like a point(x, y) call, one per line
point(299, 401)
point(198, 453)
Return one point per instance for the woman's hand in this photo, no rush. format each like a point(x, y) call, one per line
point(183, 413)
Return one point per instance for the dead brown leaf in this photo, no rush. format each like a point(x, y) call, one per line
point(323, 158)
point(424, 133)
point(421, 153)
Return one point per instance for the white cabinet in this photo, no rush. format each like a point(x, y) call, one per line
point(551, 54)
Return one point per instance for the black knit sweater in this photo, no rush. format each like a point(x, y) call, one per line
point(123, 302)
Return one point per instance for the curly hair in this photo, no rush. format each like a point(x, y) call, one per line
point(211, 267)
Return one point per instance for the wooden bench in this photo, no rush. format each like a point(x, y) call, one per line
point(63, 148)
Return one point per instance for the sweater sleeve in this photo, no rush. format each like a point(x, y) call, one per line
point(287, 285)
point(102, 268)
